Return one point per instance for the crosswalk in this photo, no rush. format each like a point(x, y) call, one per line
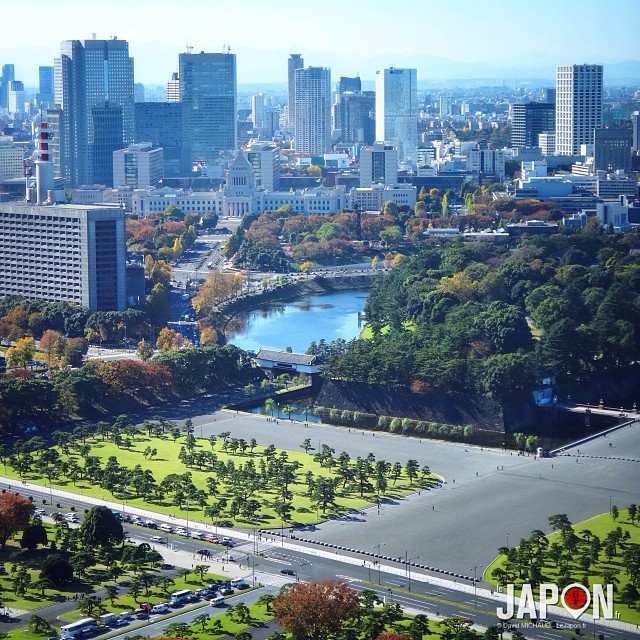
point(273, 579)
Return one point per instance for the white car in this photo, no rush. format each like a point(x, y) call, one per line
point(158, 539)
point(197, 535)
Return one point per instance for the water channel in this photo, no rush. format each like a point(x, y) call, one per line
point(296, 324)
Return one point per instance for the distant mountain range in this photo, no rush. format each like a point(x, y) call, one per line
point(156, 61)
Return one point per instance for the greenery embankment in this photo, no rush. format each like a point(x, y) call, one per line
point(604, 549)
point(472, 305)
point(217, 479)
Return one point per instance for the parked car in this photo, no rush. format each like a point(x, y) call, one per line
point(225, 591)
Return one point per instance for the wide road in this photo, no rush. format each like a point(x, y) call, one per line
point(491, 498)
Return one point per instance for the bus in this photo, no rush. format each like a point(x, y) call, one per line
point(77, 629)
point(181, 596)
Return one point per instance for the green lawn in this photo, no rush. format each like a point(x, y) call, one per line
point(166, 462)
point(599, 526)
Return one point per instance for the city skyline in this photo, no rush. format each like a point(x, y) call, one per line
point(492, 40)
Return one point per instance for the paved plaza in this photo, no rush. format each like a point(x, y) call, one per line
point(490, 498)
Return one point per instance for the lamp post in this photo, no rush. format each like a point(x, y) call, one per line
point(377, 546)
point(609, 505)
point(475, 585)
point(408, 566)
point(507, 540)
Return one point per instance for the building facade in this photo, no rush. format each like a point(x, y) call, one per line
point(139, 165)
point(11, 159)
point(312, 110)
point(355, 117)
point(397, 111)
point(378, 165)
point(94, 91)
point(612, 149)
point(161, 124)
point(578, 105)
point(295, 62)
point(265, 161)
point(529, 120)
point(208, 94)
point(64, 253)
point(46, 93)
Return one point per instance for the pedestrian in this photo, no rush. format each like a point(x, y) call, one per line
point(433, 508)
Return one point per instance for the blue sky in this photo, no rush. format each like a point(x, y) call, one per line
point(348, 33)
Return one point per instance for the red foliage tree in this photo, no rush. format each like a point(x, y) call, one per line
point(393, 635)
point(315, 610)
point(15, 513)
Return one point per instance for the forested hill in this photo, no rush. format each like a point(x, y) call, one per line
point(487, 319)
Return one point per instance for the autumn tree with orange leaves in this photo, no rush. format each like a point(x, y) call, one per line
point(315, 610)
point(15, 513)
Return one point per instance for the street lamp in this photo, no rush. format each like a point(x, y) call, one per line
point(507, 540)
point(475, 585)
point(408, 567)
point(377, 546)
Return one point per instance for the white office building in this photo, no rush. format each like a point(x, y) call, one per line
point(578, 105)
point(397, 111)
point(265, 160)
point(373, 198)
point(138, 166)
point(378, 165)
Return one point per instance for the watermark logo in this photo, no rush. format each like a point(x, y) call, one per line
point(575, 598)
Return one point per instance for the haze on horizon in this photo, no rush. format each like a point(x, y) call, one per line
point(469, 39)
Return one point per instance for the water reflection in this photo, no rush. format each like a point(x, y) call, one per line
point(312, 318)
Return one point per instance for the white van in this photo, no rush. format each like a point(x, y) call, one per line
point(216, 601)
point(166, 527)
point(160, 608)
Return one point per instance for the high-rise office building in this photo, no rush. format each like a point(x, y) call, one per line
point(64, 253)
point(635, 121)
point(529, 120)
point(296, 61)
point(578, 105)
point(8, 74)
point(15, 97)
point(397, 111)
point(161, 124)
point(107, 138)
point(93, 79)
point(173, 88)
point(612, 149)
point(313, 110)
point(45, 88)
point(258, 106)
point(208, 93)
point(355, 117)
point(348, 84)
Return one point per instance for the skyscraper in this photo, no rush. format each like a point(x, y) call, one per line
point(8, 74)
point(397, 110)
point(313, 110)
point(578, 105)
point(296, 61)
point(355, 117)
point(529, 120)
point(45, 93)
point(208, 93)
point(93, 78)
